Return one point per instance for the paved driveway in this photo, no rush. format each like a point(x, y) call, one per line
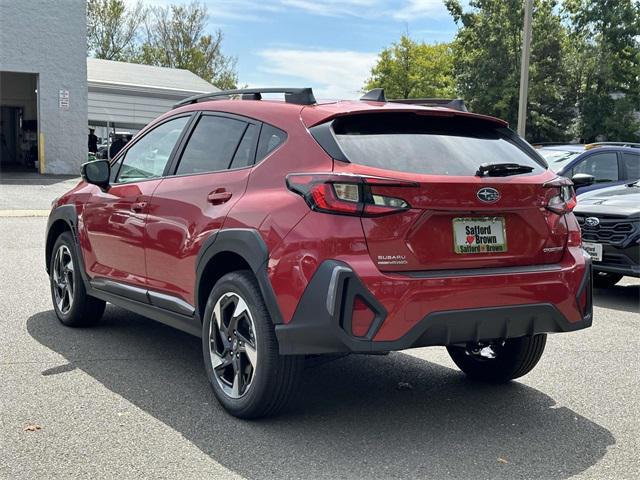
point(129, 399)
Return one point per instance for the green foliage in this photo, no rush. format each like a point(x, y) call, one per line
point(112, 28)
point(487, 66)
point(584, 76)
point(409, 69)
point(605, 41)
point(174, 36)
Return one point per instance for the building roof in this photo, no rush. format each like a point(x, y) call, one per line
point(135, 77)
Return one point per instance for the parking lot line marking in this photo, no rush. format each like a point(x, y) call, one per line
point(24, 213)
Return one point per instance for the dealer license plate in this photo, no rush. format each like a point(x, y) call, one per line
point(479, 235)
point(594, 250)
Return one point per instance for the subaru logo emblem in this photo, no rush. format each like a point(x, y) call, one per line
point(488, 195)
point(592, 221)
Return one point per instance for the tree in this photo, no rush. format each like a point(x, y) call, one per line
point(487, 52)
point(409, 69)
point(606, 67)
point(175, 37)
point(112, 28)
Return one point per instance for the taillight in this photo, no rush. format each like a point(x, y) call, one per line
point(564, 199)
point(348, 194)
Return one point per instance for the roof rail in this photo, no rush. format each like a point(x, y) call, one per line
point(589, 146)
point(298, 96)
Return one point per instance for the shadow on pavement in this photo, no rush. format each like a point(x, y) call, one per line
point(349, 418)
point(625, 298)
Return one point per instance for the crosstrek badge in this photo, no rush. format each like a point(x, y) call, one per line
point(392, 260)
point(479, 235)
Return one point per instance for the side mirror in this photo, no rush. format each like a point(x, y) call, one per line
point(97, 173)
point(583, 180)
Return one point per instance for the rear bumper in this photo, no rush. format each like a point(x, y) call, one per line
point(322, 320)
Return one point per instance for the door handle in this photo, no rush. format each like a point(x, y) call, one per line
point(138, 207)
point(219, 196)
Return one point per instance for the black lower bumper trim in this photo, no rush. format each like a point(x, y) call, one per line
point(314, 330)
point(630, 271)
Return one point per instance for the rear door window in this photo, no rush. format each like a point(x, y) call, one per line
point(631, 163)
point(212, 145)
point(603, 166)
point(433, 145)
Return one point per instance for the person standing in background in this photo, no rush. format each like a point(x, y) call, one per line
point(116, 146)
point(93, 141)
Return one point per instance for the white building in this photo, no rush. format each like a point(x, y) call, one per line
point(127, 96)
point(50, 92)
point(43, 85)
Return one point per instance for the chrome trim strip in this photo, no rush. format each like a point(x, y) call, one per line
point(128, 291)
point(331, 291)
point(469, 272)
point(157, 299)
point(169, 302)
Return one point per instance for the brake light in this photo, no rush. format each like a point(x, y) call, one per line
point(348, 194)
point(564, 200)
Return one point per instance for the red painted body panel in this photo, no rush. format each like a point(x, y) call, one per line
point(409, 299)
point(158, 247)
point(180, 220)
point(113, 230)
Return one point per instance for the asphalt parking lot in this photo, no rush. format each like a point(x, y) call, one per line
point(129, 399)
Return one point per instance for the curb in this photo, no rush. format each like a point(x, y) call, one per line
point(24, 213)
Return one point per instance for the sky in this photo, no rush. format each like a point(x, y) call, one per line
point(329, 45)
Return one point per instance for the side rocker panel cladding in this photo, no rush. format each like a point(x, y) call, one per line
point(248, 244)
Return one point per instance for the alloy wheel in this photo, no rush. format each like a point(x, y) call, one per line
point(232, 345)
point(63, 279)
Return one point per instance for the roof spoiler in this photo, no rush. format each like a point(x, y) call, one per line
point(298, 96)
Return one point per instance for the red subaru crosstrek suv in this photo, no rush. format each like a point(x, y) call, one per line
point(278, 230)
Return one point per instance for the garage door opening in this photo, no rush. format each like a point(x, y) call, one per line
point(18, 122)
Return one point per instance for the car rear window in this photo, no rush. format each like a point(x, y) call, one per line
point(435, 145)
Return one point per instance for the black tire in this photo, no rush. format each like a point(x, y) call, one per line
point(605, 279)
point(82, 310)
point(275, 378)
point(515, 358)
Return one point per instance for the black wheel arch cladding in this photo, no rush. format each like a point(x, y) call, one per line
point(247, 244)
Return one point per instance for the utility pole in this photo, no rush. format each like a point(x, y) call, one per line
point(524, 67)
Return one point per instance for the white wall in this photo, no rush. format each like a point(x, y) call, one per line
point(48, 38)
point(125, 109)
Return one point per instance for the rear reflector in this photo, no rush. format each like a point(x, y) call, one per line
point(361, 318)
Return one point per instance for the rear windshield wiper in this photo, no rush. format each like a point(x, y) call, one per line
point(502, 169)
